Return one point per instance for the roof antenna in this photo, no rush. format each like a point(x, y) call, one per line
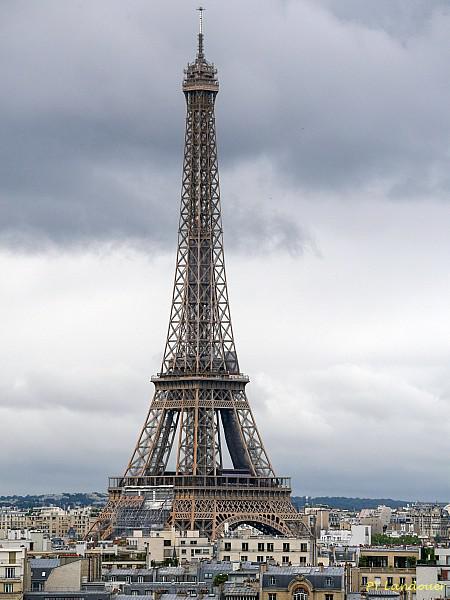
point(200, 32)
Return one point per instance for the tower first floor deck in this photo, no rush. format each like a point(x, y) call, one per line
point(209, 504)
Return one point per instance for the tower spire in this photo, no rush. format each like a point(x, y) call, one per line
point(200, 32)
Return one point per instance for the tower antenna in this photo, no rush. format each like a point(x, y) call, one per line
point(200, 31)
point(200, 10)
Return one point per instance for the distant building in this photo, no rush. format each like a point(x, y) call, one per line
point(322, 518)
point(378, 519)
point(51, 520)
point(357, 535)
point(428, 521)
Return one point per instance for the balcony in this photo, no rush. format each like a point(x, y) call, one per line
point(388, 570)
point(240, 481)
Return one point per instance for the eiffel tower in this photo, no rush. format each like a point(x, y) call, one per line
point(200, 403)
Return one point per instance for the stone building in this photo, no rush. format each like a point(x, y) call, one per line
point(261, 548)
point(303, 583)
point(13, 572)
point(384, 567)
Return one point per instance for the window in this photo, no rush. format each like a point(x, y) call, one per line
point(244, 558)
point(226, 559)
point(272, 596)
point(328, 596)
point(193, 542)
point(285, 560)
point(302, 560)
point(37, 586)
point(260, 559)
point(167, 543)
point(227, 545)
point(10, 572)
point(363, 580)
point(390, 581)
point(286, 547)
point(304, 547)
point(328, 582)
point(269, 547)
point(12, 558)
point(260, 547)
point(140, 579)
point(244, 546)
point(402, 580)
point(134, 592)
point(64, 598)
point(183, 551)
point(183, 542)
point(128, 578)
point(8, 588)
point(300, 595)
point(273, 581)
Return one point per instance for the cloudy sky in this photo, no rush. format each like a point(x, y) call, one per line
point(334, 145)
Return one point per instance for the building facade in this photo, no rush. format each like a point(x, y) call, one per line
point(13, 572)
point(297, 583)
point(261, 548)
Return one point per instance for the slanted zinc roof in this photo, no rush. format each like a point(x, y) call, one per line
point(44, 563)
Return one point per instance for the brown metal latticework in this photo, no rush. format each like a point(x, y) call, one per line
point(200, 392)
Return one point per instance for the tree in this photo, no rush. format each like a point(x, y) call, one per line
point(220, 579)
point(381, 539)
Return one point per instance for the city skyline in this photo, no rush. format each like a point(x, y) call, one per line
point(332, 151)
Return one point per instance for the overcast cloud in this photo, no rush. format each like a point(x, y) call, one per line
point(334, 131)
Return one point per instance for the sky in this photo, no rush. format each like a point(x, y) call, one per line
point(333, 129)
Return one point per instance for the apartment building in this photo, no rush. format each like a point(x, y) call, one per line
point(51, 520)
point(357, 535)
point(384, 568)
point(165, 545)
point(13, 572)
point(303, 583)
point(262, 548)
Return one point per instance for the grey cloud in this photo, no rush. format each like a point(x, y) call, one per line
point(401, 19)
point(50, 392)
point(66, 453)
point(82, 333)
point(92, 113)
point(254, 231)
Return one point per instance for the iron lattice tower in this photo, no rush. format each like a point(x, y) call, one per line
point(200, 391)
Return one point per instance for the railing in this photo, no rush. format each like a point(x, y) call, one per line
point(396, 570)
point(207, 375)
point(197, 481)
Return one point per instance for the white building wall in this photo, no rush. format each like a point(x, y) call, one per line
point(427, 582)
